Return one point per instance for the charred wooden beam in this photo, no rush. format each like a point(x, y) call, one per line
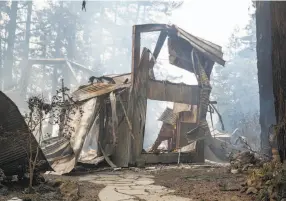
point(135, 51)
point(151, 27)
point(159, 44)
point(167, 91)
point(138, 105)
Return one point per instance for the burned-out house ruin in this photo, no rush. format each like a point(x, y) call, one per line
point(112, 124)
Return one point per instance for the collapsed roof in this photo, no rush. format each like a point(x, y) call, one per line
point(185, 51)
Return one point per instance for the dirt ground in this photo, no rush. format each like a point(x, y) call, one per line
point(56, 188)
point(203, 184)
point(197, 183)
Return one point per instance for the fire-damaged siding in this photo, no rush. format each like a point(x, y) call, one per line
point(167, 91)
point(14, 140)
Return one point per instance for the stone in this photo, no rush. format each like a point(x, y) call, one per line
point(132, 192)
point(235, 198)
point(268, 182)
point(245, 167)
point(270, 190)
point(251, 190)
point(144, 181)
point(244, 189)
point(229, 187)
point(15, 199)
point(249, 182)
point(234, 171)
point(109, 194)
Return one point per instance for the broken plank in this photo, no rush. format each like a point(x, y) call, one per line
point(167, 91)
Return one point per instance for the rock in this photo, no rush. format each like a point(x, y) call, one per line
point(249, 182)
point(274, 195)
point(251, 190)
point(242, 190)
point(229, 187)
point(235, 198)
point(245, 167)
point(15, 199)
point(54, 183)
point(270, 190)
point(243, 184)
point(234, 171)
point(42, 188)
point(268, 182)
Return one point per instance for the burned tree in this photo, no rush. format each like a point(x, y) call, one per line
point(278, 27)
point(263, 35)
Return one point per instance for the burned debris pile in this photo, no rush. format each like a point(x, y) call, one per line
point(109, 121)
point(242, 161)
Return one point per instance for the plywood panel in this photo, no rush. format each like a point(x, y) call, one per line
point(167, 91)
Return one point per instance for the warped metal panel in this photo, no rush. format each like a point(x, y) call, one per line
point(96, 89)
point(14, 140)
point(209, 49)
point(168, 116)
point(167, 91)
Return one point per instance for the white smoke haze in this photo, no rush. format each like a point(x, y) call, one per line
point(101, 40)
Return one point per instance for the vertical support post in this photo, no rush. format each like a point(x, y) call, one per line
point(101, 124)
point(136, 47)
point(138, 105)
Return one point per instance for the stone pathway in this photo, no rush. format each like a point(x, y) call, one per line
point(122, 186)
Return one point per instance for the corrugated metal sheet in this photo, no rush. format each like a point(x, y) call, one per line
point(96, 89)
point(207, 48)
point(14, 140)
point(168, 116)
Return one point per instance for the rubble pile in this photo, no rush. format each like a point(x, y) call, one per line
point(263, 182)
point(243, 161)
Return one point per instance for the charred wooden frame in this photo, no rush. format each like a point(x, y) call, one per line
point(144, 87)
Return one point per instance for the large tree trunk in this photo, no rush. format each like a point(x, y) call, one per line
point(278, 29)
point(28, 30)
point(8, 66)
point(263, 35)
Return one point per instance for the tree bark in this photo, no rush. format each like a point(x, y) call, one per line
point(28, 30)
point(264, 65)
point(278, 29)
point(8, 66)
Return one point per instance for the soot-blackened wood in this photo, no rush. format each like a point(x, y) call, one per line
point(120, 156)
point(159, 44)
point(137, 109)
point(278, 30)
point(172, 92)
point(135, 51)
point(264, 66)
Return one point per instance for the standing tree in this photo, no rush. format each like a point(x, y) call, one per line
point(264, 66)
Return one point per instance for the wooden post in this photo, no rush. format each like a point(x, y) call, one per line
point(138, 105)
point(136, 47)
